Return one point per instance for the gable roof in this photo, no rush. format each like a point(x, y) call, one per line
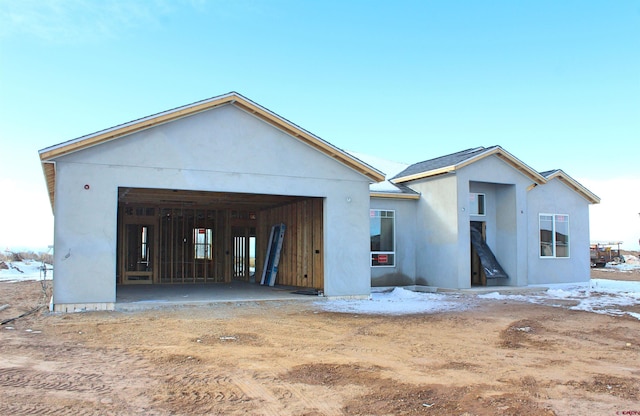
point(571, 183)
point(49, 154)
point(454, 161)
point(386, 188)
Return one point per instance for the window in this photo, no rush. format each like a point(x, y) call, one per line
point(476, 204)
point(554, 235)
point(382, 231)
point(144, 244)
point(202, 240)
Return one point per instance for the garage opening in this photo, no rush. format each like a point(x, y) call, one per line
point(168, 236)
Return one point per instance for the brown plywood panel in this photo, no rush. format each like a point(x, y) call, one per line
point(318, 244)
point(299, 264)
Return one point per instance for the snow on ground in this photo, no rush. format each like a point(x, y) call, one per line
point(24, 270)
point(399, 301)
point(609, 297)
point(603, 296)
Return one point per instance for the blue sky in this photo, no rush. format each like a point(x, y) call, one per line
point(557, 84)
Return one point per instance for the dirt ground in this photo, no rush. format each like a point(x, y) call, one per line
point(293, 358)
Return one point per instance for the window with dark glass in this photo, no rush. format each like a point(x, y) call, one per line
point(382, 232)
point(476, 204)
point(554, 235)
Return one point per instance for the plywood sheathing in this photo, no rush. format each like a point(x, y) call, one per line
point(301, 260)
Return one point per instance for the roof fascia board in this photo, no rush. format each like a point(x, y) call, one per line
point(575, 186)
point(132, 127)
point(498, 151)
point(422, 175)
point(391, 195)
point(49, 170)
point(231, 98)
point(508, 158)
point(309, 139)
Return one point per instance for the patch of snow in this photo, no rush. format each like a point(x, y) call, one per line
point(609, 297)
point(25, 270)
point(399, 301)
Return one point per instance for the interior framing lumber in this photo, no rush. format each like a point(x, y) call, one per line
point(174, 217)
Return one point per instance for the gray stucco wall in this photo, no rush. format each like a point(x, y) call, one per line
point(499, 221)
point(404, 271)
point(555, 197)
point(436, 232)
point(444, 255)
point(222, 150)
point(506, 216)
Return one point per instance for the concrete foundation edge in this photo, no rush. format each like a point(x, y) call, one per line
point(82, 307)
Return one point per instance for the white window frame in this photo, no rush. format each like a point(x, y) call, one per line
point(554, 254)
point(474, 198)
point(373, 213)
point(203, 243)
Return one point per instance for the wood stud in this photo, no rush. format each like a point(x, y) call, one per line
point(301, 262)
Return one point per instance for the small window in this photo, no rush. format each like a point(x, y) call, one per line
point(382, 232)
point(476, 204)
point(554, 235)
point(202, 242)
point(144, 244)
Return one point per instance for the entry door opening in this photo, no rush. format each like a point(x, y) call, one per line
point(484, 264)
point(189, 244)
point(139, 253)
point(478, 276)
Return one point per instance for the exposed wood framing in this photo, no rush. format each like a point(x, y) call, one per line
point(392, 195)
point(174, 220)
point(49, 169)
point(301, 261)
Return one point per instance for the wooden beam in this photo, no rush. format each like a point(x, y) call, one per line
point(132, 127)
point(392, 195)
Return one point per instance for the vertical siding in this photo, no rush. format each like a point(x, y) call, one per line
point(301, 259)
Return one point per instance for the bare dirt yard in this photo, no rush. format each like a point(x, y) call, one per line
point(294, 358)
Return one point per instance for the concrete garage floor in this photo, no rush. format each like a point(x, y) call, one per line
point(137, 297)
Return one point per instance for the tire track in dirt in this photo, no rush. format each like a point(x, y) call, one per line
point(19, 409)
point(79, 383)
point(285, 395)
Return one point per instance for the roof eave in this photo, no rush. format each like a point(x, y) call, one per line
point(49, 170)
point(49, 154)
point(423, 175)
point(310, 139)
point(509, 159)
point(575, 185)
point(93, 139)
point(394, 195)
